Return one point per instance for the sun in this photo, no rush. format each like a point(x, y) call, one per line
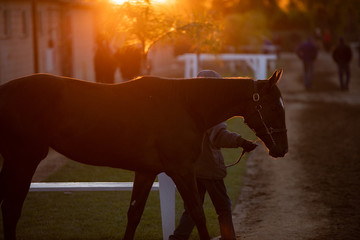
point(119, 2)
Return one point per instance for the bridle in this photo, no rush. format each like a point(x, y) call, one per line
point(258, 107)
point(267, 130)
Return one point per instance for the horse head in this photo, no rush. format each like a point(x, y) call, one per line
point(266, 115)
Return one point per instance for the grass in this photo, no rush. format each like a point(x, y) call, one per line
point(102, 215)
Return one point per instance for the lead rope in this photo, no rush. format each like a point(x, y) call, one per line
point(233, 164)
point(256, 97)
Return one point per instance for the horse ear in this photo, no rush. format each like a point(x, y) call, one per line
point(275, 77)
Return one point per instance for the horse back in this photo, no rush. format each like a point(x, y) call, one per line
point(98, 123)
point(25, 103)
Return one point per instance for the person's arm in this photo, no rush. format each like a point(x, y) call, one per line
point(220, 137)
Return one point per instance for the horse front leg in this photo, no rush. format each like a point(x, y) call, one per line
point(141, 189)
point(14, 186)
point(186, 184)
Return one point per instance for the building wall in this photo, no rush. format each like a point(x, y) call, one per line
point(83, 44)
point(16, 45)
point(65, 39)
point(50, 38)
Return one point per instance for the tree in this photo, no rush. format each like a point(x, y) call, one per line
point(245, 29)
point(142, 23)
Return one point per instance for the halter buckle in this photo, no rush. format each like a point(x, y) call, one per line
point(256, 97)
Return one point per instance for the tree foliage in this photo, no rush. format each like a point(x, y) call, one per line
point(208, 25)
point(245, 29)
point(140, 22)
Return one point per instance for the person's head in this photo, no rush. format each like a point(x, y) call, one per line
point(209, 74)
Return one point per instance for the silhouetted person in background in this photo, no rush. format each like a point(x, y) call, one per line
point(105, 63)
point(358, 51)
point(342, 56)
point(210, 172)
point(327, 40)
point(129, 58)
point(307, 52)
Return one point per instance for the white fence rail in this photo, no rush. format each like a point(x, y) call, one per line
point(165, 186)
point(257, 62)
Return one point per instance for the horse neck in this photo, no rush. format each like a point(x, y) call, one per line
point(215, 100)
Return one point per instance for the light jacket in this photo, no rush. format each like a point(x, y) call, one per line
point(210, 164)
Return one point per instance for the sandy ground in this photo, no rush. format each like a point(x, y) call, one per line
point(308, 194)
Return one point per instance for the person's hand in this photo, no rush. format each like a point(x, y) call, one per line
point(248, 146)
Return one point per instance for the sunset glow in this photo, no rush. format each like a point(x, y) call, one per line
point(119, 2)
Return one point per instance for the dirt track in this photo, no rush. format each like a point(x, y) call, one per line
point(314, 192)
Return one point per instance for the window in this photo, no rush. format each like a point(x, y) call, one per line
point(24, 24)
point(40, 24)
point(5, 23)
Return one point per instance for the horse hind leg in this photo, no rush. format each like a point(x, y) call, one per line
point(2, 180)
point(186, 184)
point(141, 189)
point(15, 179)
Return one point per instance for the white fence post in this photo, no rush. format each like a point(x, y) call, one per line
point(195, 66)
point(262, 68)
point(188, 64)
point(189, 60)
point(167, 204)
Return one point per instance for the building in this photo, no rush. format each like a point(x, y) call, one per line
point(48, 36)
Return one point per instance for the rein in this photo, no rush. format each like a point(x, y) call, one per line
point(233, 164)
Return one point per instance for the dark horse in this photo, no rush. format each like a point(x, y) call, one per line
point(149, 125)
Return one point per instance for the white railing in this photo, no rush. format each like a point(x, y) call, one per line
point(257, 62)
point(165, 186)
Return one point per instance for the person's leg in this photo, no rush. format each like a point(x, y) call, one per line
point(341, 74)
point(311, 74)
point(222, 203)
point(347, 76)
point(186, 224)
point(307, 74)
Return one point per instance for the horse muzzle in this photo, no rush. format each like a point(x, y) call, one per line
point(277, 152)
